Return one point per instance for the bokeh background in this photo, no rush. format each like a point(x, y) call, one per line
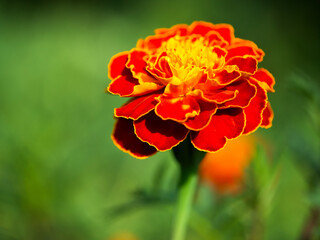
point(62, 178)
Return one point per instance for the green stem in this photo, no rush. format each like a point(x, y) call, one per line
point(186, 192)
point(188, 158)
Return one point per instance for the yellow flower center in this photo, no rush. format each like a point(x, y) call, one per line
point(188, 57)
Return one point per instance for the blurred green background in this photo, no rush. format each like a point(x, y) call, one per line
point(61, 177)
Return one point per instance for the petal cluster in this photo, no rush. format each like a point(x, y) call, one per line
point(198, 80)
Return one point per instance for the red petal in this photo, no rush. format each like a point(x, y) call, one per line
point(207, 109)
point(255, 109)
point(162, 134)
point(214, 94)
point(227, 75)
point(117, 65)
point(137, 107)
point(219, 96)
point(163, 34)
point(178, 109)
point(242, 42)
point(226, 31)
point(225, 124)
point(128, 86)
point(245, 64)
point(201, 28)
point(245, 92)
point(125, 139)
point(162, 66)
point(136, 61)
point(123, 85)
point(181, 29)
point(240, 51)
point(137, 64)
point(267, 117)
point(215, 38)
point(220, 51)
point(265, 77)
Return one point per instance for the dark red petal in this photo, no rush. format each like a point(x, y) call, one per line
point(240, 51)
point(255, 109)
point(178, 109)
point(265, 77)
point(245, 92)
point(267, 117)
point(162, 134)
point(207, 109)
point(117, 65)
point(137, 107)
point(125, 139)
point(225, 124)
point(245, 64)
point(123, 85)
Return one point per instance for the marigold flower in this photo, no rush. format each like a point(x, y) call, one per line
point(224, 170)
point(199, 80)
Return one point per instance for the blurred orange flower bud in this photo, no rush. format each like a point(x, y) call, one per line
point(224, 170)
point(123, 236)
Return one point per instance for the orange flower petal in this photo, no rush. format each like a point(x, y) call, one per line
point(117, 65)
point(265, 78)
point(267, 117)
point(162, 134)
point(178, 109)
point(137, 107)
point(124, 138)
point(255, 109)
point(207, 110)
point(225, 124)
point(245, 64)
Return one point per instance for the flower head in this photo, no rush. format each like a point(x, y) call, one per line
point(199, 80)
